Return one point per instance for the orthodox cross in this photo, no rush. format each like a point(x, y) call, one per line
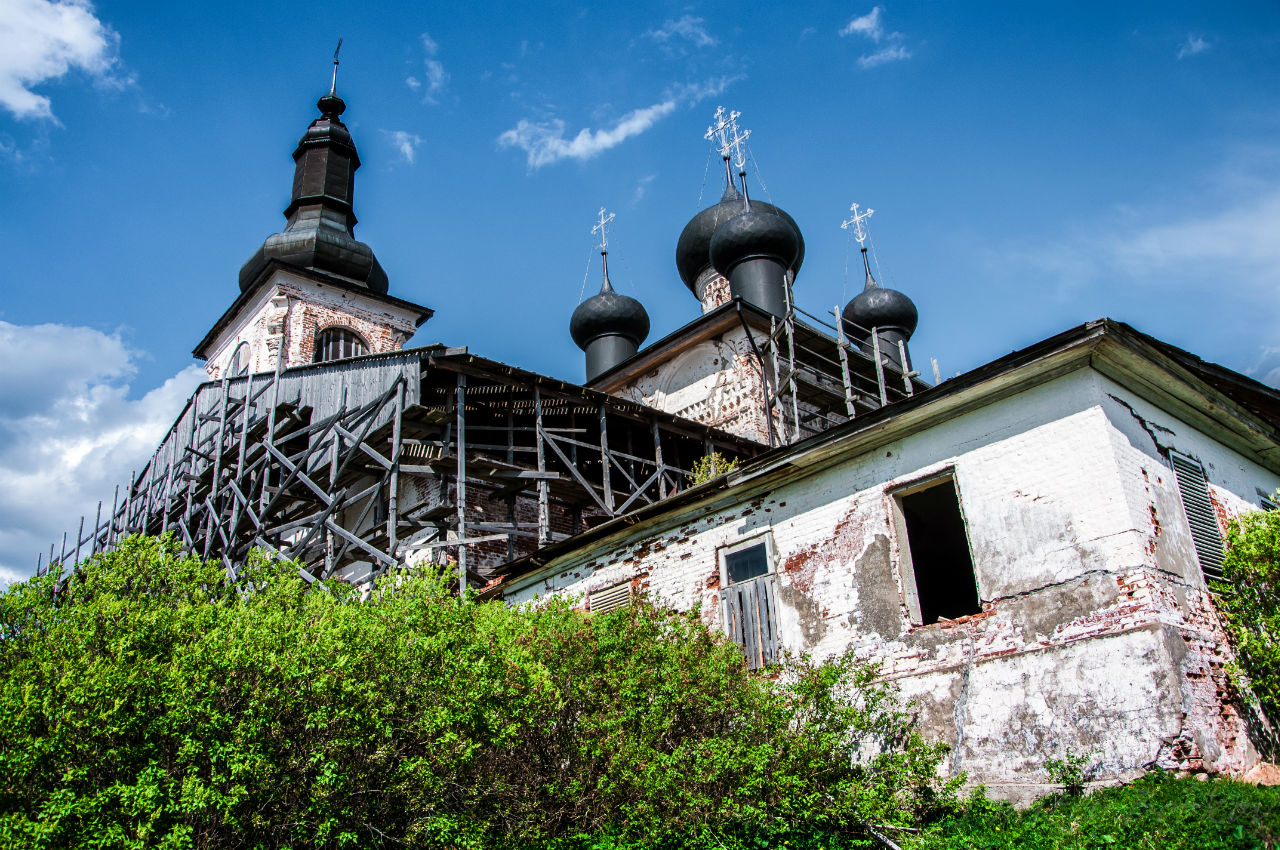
point(716, 132)
point(333, 86)
point(600, 228)
point(859, 232)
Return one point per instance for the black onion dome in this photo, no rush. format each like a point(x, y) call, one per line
point(876, 307)
point(693, 250)
point(609, 313)
point(754, 232)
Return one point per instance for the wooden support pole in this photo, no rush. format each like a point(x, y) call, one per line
point(841, 343)
point(776, 392)
point(544, 488)
point(97, 524)
point(605, 460)
point(906, 367)
point(79, 538)
point(790, 324)
point(128, 504)
point(271, 428)
point(393, 485)
point(875, 353)
point(460, 404)
point(657, 459)
point(111, 520)
point(62, 553)
point(214, 484)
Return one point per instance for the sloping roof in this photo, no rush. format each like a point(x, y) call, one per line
point(1256, 407)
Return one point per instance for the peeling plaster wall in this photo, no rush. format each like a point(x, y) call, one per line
point(716, 382)
point(1096, 632)
point(287, 313)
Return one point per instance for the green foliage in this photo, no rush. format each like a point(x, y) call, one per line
point(148, 702)
point(1250, 603)
point(710, 466)
point(1159, 812)
point(1071, 771)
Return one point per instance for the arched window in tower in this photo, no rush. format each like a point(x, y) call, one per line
point(239, 361)
point(337, 344)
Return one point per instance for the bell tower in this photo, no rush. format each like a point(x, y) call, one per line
point(312, 292)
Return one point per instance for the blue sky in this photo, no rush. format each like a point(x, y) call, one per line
point(1032, 166)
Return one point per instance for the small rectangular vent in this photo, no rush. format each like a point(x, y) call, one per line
point(610, 599)
point(1201, 516)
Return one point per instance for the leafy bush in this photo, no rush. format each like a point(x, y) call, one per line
point(1158, 811)
point(710, 466)
point(148, 702)
point(1250, 603)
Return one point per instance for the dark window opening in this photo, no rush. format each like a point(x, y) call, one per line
point(338, 344)
point(946, 586)
point(746, 564)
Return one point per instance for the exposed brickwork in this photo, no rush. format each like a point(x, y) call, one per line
point(289, 313)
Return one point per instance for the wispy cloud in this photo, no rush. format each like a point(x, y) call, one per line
point(45, 40)
point(69, 431)
point(545, 142)
point(687, 28)
point(642, 188)
point(436, 78)
point(871, 26)
point(1193, 45)
point(405, 142)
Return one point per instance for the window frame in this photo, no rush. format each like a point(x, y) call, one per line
point(232, 371)
point(770, 554)
point(318, 343)
point(906, 565)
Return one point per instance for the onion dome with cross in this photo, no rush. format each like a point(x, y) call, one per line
point(693, 249)
point(608, 326)
point(891, 315)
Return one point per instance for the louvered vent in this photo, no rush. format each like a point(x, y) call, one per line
point(610, 599)
point(1200, 513)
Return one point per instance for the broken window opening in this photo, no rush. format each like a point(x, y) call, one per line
point(937, 563)
point(749, 598)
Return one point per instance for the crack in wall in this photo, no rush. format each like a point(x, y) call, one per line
point(1149, 427)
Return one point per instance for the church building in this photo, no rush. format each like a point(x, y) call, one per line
point(1025, 548)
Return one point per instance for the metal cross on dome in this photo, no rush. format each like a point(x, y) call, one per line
point(600, 228)
point(731, 140)
point(859, 232)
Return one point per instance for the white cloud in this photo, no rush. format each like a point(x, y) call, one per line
point(544, 142)
point(892, 53)
point(405, 142)
point(642, 189)
point(870, 26)
point(437, 78)
point(1193, 45)
point(69, 432)
point(45, 40)
point(688, 28)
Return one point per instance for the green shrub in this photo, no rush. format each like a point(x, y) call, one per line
point(1250, 603)
point(147, 702)
point(1158, 811)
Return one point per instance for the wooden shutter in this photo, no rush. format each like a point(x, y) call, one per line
point(1201, 515)
point(751, 621)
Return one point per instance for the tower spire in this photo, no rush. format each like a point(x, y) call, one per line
point(333, 85)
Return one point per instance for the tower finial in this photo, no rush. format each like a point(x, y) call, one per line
point(601, 228)
point(860, 233)
point(333, 86)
